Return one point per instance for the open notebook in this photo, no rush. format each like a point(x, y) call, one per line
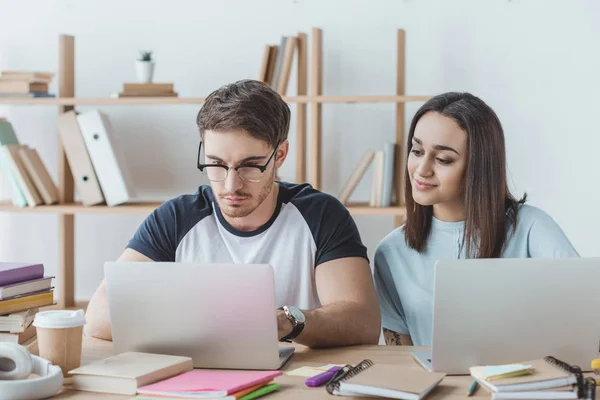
point(384, 380)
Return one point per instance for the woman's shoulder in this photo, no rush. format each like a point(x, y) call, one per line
point(527, 215)
point(395, 240)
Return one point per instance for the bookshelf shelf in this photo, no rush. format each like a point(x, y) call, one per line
point(72, 101)
point(147, 208)
point(308, 169)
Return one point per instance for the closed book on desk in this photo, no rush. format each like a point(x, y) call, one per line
point(545, 376)
point(385, 380)
point(19, 272)
point(19, 338)
point(124, 373)
point(208, 383)
point(24, 303)
point(565, 393)
point(17, 322)
point(22, 288)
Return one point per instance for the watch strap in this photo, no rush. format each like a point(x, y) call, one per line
point(296, 330)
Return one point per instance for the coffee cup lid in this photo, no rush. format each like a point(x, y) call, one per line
point(59, 319)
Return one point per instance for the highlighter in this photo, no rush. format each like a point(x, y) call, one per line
point(322, 378)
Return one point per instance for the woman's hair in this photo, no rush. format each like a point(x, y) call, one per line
point(488, 203)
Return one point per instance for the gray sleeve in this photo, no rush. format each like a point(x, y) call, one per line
point(392, 313)
point(547, 240)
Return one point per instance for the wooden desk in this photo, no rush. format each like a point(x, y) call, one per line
point(293, 387)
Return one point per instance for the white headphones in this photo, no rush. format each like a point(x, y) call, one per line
point(16, 364)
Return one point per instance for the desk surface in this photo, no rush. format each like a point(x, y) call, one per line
point(292, 387)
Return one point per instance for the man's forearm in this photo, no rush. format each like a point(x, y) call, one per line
point(337, 324)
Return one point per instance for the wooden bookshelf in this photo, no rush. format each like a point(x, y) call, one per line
point(147, 208)
point(308, 163)
point(75, 101)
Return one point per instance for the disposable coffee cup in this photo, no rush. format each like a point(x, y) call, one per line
point(59, 335)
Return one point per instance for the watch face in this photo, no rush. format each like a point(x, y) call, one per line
point(297, 314)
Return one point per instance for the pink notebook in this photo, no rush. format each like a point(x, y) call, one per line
point(214, 383)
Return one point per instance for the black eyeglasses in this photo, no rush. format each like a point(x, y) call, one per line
point(248, 173)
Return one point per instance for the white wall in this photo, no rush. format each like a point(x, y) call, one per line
point(535, 62)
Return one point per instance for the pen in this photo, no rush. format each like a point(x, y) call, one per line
point(472, 388)
point(322, 378)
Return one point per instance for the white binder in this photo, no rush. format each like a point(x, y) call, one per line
point(107, 157)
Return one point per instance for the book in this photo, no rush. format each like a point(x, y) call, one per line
point(8, 136)
point(11, 272)
point(142, 94)
point(384, 380)
point(27, 76)
point(491, 372)
point(25, 287)
point(16, 86)
point(126, 372)
point(19, 338)
point(286, 66)
point(26, 302)
point(389, 158)
point(12, 156)
point(209, 383)
point(545, 375)
point(563, 393)
point(278, 63)
point(39, 175)
point(17, 322)
point(377, 182)
point(271, 66)
point(148, 88)
point(7, 133)
point(356, 176)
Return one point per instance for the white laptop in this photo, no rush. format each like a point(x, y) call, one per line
point(221, 315)
point(498, 311)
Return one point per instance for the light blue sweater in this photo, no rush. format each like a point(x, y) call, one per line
point(404, 277)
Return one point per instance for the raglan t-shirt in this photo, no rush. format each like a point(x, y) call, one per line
point(308, 228)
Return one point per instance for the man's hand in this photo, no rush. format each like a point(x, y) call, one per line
point(349, 314)
point(284, 325)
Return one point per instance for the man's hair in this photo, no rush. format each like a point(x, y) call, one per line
point(249, 105)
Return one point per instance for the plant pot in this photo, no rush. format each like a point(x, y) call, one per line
point(144, 71)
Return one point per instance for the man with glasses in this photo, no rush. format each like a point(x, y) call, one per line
point(323, 283)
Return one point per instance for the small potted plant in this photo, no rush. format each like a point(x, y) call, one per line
point(144, 67)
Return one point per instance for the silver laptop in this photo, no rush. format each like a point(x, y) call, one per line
point(498, 311)
point(221, 315)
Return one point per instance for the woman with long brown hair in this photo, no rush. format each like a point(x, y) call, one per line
point(458, 206)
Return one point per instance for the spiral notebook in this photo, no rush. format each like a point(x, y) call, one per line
point(383, 380)
point(548, 373)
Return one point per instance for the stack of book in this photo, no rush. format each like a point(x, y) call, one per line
point(277, 64)
point(535, 379)
point(146, 90)
point(23, 290)
point(383, 177)
point(152, 376)
point(25, 84)
point(22, 166)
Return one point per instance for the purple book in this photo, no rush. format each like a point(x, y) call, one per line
point(18, 272)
